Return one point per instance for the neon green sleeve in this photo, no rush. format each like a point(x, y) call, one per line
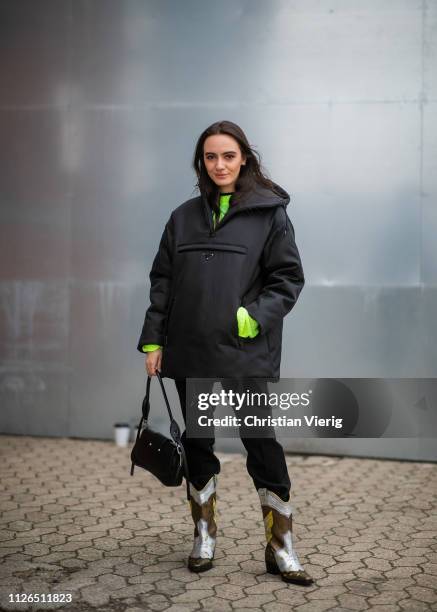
point(247, 327)
point(147, 348)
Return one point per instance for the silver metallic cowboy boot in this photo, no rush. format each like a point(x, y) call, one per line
point(280, 556)
point(202, 504)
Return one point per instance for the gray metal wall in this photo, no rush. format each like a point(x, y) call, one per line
point(100, 107)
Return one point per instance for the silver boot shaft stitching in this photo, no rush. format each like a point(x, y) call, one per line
point(204, 544)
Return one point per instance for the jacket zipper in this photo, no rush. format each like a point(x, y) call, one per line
point(213, 230)
point(219, 224)
point(231, 213)
point(208, 217)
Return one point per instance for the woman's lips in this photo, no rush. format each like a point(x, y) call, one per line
point(221, 175)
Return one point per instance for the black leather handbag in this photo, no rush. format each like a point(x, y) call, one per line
point(161, 456)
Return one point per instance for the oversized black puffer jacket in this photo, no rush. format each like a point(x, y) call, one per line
point(201, 275)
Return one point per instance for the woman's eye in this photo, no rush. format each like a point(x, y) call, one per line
point(209, 157)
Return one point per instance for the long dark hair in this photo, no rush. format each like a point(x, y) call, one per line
point(251, 174)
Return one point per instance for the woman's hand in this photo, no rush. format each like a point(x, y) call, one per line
point(153, 362)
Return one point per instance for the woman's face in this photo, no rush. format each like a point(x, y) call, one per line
point(223, 160)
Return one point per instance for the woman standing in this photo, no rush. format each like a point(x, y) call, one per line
point(226, 273)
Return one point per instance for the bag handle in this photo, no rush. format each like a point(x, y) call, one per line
point(175, 431)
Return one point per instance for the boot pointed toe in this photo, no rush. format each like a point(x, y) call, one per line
point(299, 577)
point(199, 564)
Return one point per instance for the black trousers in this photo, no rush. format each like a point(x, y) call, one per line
point(265, 456)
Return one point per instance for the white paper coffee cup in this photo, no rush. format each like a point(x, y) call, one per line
point(121, 434)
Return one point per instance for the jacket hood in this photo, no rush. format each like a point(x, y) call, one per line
point(264, 197)
point(261, 197)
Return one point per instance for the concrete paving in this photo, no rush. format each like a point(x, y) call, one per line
point(74, 522)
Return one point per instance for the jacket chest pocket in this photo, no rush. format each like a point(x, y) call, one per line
point(201, 264)
point(208, 250)
point(209, 279)
point(213, 273)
